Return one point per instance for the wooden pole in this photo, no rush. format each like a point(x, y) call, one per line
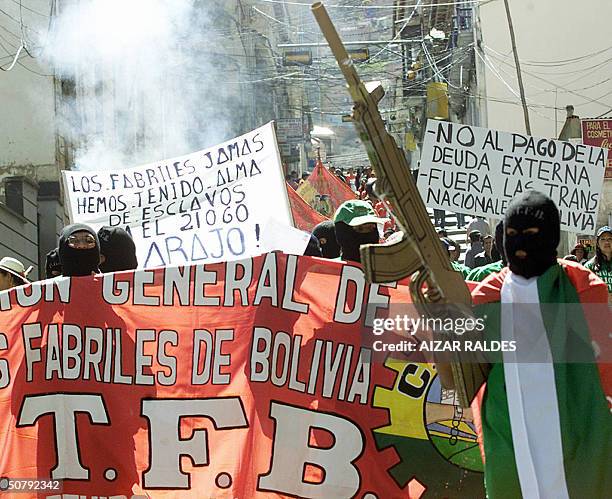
point(518, 69)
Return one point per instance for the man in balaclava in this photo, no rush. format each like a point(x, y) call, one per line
point(356, 223)
point(314, 247)
point(79, 250)
point(53, 267)
point(117, 250)
point(545, 417)
point(532, 234)
point(326, 235)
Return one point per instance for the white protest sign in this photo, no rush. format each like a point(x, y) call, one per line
point(478, 171)
point(203, 207)
point(276, 236)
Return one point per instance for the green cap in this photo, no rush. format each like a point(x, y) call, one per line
point(356, 212)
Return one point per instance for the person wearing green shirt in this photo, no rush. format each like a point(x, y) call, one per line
point(601, 263)
point(459, 267)
point(479, 274)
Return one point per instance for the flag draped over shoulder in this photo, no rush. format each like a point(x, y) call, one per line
point(324, 191)
point(546, 421)
point(304, 217)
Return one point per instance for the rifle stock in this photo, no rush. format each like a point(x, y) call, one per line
point(420, 254)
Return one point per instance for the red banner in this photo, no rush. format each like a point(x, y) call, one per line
point(598, 132)
point(242, 379)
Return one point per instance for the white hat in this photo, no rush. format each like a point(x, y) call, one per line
point(15, 267)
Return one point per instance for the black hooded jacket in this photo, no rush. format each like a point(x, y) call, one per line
point(78, 262)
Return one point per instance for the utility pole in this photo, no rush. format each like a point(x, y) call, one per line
point(518, 69)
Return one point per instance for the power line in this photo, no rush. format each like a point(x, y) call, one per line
point(14, 60)
point(399, 31)
point(588, 100)
point(581, 70)
point(564, 62)
point(29, 8)
point(16, 20)
point(547, 90)
point(368, 7)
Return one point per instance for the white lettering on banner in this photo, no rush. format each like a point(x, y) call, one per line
point(276, 358)
point(72, 352)
point(478, 171)
point(355, 276)
point(293, 431)
point(64, 407)
point(166, 446)
point(5, 373)
point(202, 207)
point(31, 295)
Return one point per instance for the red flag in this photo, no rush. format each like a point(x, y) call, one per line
point(304, 216)
point(324, 191)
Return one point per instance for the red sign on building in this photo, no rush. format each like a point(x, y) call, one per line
point(598, 132)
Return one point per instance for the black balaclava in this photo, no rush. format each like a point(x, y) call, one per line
point(78, 262)
point(313, 248)
point(499, 241)
point(325, 230)
point(532, 209)
point(118, 249)
point(350, 241)
point(52, 264)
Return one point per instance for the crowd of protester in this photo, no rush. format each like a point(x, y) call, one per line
point(522, 248)
point(366, 220)
point(80, 252)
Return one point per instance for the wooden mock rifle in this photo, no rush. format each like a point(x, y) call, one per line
point(420, 253)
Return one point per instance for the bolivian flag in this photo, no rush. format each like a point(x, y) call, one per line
point(546, 422)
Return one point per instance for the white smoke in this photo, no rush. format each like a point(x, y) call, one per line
point(145, 87)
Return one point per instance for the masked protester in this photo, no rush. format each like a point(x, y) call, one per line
point(531, 234)
point(117, 250)
point(326, 235)
point(546, 424)
point(356, 223)
point(480, 273)
point(12, 273)
point(53, 267)
point(79, 250)
point(601, 263)
point(313, 248)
